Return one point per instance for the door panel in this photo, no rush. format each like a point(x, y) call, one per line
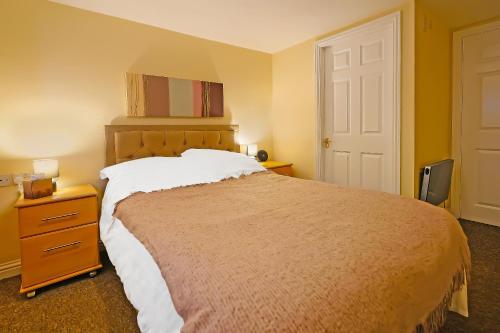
point(488, 178)
point(490, 103)
point(342, 60)
point(360, 111)
point(372, 52)
point(372, 175)
point(341, 105)
point(481, 127)
point(341, 165)
point(371, 103)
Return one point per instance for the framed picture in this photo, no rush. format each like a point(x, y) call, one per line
point(159, 96)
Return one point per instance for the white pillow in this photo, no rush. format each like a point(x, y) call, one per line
point(161, 173)
point(222, 160)
point(141, 164)
point(211, 162)
point(207, 153)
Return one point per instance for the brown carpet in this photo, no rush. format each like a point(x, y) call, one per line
point(99, 304)
point(484, 287)
point(81, 304)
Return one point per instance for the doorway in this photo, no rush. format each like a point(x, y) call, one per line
point(358, 98)
point(476, 124)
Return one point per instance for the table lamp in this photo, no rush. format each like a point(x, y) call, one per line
point(49, 168)
point(252, 150)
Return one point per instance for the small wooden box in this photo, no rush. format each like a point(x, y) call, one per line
point(39, 188)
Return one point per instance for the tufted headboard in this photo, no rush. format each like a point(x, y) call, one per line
point(128, 142)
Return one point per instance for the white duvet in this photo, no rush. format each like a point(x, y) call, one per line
point(142, 280)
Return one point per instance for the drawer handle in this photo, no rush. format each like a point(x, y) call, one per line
point(62, 246)
point(59, 217)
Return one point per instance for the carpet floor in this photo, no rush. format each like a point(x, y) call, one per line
point(99, 304)
point(484, 287)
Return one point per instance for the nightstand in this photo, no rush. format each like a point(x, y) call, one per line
point(281, 168)
point(59, 237)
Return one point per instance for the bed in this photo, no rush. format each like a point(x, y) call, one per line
point(204, 239)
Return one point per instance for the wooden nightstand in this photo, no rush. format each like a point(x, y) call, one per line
point(281, 168)
point(59, 237)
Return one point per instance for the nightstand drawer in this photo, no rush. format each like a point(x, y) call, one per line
point(58, 253)
point(281, 168)
point(285, 171)
point(40, 219)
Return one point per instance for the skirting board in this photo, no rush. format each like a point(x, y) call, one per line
point(10, 268)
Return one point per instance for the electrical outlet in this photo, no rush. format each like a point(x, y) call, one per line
point(5, 180)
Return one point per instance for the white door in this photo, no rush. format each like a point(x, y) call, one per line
point(360, 106)
point(481, 126)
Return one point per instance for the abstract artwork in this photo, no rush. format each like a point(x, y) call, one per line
point(158, 96)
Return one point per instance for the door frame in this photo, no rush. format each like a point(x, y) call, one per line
point(457, 109)
point(395, 19)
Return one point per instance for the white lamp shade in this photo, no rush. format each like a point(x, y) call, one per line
point(252, 150)
point(49, 168)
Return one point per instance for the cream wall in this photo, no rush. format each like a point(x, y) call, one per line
point(433, 42)
point(62, 78)
point(294, 107)
point(293, 113)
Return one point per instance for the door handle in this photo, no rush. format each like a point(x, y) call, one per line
point(327, 142)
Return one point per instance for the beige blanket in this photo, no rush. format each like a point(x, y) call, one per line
point(268, 253)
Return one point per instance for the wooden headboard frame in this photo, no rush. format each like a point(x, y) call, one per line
point(128, 142)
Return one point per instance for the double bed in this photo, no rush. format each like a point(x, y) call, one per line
point(205, 240)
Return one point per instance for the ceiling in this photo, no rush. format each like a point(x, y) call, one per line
point(263, 25)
